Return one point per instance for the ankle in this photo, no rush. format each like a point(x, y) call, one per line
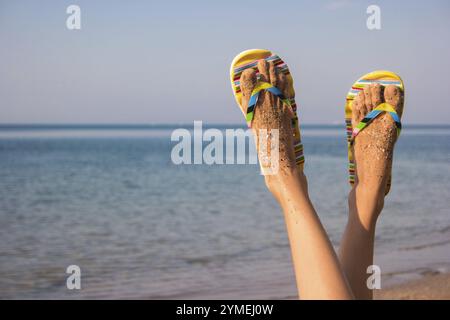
point(365, 223)
point(365, 206)
point(286, 182)
point(371, 195)
point(371, 188)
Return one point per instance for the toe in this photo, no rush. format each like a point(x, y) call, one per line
point(376, 94)
point(273, 74)
point(368, 98)
point(356, 110)
point(290, 92)
point(393, 96)
point(263, 68)
point(360, 98)
point(283, 86)
point(282, 83)
point(248, 82)
point(264, 76)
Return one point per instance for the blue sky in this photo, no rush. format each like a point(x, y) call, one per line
point(168, 61)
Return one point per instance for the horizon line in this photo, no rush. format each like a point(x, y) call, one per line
point(87, 125)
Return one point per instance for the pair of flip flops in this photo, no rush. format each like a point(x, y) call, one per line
point(249, 59)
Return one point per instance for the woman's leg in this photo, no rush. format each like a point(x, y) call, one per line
point(373, 150)
point(317, 269)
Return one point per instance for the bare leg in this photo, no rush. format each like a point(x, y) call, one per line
point(317, 269)
point(373, 150)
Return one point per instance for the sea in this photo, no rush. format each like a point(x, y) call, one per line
point(110, 200)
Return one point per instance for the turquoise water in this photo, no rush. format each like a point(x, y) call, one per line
point(110, 201)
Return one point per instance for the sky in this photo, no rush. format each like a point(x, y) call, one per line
point(168, 61)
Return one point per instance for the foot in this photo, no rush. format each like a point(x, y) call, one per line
point(374, 146)
point(271, 113)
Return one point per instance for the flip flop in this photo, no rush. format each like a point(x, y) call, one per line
point(249, 59)
point(384, 78)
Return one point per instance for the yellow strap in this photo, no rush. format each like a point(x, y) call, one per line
point(261, 86)
point(385, 107)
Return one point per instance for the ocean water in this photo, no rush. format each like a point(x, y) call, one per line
point(111, 201)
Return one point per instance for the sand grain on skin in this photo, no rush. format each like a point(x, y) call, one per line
point(270, 112)
point(373, 147)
